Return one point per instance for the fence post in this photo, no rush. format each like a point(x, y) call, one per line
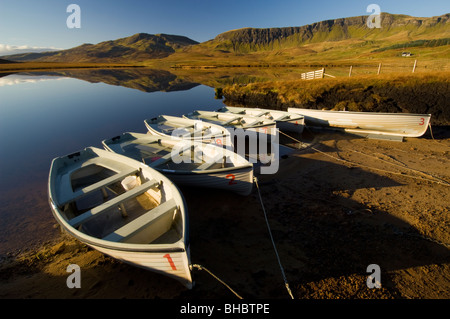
point(414, 67)
point(350, 73)
point(379, 68)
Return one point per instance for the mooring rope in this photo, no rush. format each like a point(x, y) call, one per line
point(432, 136)
point(200, 267)
point(430, 176)
point(431, 131)
point(433, 179)
point(300, 142)
point(273, 242)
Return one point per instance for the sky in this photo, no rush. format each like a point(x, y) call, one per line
point(32, 24)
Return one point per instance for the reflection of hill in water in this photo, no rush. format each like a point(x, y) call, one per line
point(143, 79)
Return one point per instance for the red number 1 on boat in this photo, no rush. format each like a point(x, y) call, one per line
point(169, 259)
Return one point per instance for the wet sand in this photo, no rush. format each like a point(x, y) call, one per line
point(334, 208)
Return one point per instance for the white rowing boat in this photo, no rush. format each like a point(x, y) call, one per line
point(122, 208)
point(264, 127)
point(186, 162)
point(389, 124)
point(236, 121)
point(253, 137)
point(286, 121)
point(190, 129)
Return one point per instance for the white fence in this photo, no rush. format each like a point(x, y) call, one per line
point(319, 74)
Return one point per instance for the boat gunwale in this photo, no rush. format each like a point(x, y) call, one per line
point(360, 113)
point(223, 134)
point(207, 172)
point(298, 116)
point(266, 122)
point(245, 164)
point(251, 126)
point(152, 131)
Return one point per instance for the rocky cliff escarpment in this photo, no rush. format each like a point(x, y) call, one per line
point(253, 39)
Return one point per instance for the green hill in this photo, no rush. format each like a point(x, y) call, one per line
point(339, 41)
point(138, 47)
point(3, 61)
point(394, 28)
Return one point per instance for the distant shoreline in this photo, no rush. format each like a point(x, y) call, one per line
point(40, 66)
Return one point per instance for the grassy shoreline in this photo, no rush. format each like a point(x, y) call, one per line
point(395, 92)
point(238, 62)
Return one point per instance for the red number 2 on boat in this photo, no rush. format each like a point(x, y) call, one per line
point(232, 177)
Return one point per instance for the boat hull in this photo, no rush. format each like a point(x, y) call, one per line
point(295, 126)
point(177, 267)
point(237, 177)
point(239, 181)
point(393, 124)
point(170, 264)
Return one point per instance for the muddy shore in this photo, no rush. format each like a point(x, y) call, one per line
point(334, 207)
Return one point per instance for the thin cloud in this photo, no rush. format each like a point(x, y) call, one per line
point(20, 79)
point(6, 49)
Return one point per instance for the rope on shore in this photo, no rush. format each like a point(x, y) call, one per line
point(441, 181)
point(300, 142)
point(200, 267)
point(286, 284)
point(430, 176)
point(431, 131)
point(432, 179)
point(432, 136)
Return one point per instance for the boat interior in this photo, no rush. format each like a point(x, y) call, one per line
point(183, 130)
point(122, 206)
point(159, 154)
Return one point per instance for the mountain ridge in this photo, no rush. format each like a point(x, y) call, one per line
point(344, 37)
point(253, 39)
point(137, 47)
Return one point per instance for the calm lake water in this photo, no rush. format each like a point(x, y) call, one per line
point(46, 115)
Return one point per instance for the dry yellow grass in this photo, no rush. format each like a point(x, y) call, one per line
point(301, 90)
point(426, 92)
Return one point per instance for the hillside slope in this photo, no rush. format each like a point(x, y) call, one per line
point(394, 28)
point(321, 42)
point(2, 61)
point(138, 47)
